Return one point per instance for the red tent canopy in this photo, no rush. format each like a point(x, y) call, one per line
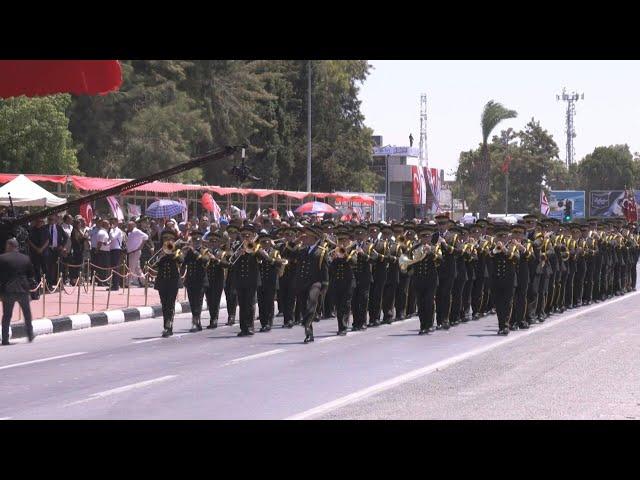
point(35, 78)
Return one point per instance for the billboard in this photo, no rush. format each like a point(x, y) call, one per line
point(559, 199)
point(608, 203)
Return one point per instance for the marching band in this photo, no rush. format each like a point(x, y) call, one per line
point(442, 271)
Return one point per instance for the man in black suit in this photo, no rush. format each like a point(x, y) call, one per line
point(311, 278)
point(39, 247)
point(57, 247)
point(16, 279)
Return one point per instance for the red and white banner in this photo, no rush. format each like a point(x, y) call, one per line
point(629, 206)
point(426, 183)
point(115, 208)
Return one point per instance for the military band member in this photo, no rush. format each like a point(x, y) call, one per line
point(525, 250)
point(234, 242)
point(479, 289)
point(379, 272)
point(365, 255)
point(245, 275)
point(216, 275)
point(412, 239)
point(288, 251)
point(311, 278)
point(424, 278)
point(196, 280)
point(168, 278)
point(461, 275)
point(533, 234)
point(470, 256)
point(392, 278)
point(269, 269)
point(326, 305)
point(503, 263)
point(403, 243)
point(342, 262)
point(446, 271)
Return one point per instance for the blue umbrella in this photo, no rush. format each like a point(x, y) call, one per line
point(165, 209)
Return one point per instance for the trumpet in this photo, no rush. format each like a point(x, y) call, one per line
point(419, 253)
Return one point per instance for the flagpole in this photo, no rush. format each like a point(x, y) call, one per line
point(506, 196)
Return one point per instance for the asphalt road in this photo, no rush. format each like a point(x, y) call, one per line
point(583, 364)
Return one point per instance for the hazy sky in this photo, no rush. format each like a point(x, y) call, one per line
point(458, 90)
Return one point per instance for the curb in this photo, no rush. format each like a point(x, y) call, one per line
point(46, 326)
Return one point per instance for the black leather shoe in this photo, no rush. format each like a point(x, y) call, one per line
point(31, 338)
point(231, 321)
point(267, 328)
point(465, 319)
point(212, 326)
point(308, 338)
point(503, 331)
point(263, 329)
point(288, 325)
point(400, 318)
point(167, 333)
point(6, 343)
point(196, 328)
point(432, 329)
point(446, 326)
point(513, 328)
point(523, 326)
point(388, 321)
point(438, 327)
point(342, 333)
point(475, 316)
point(423, 332)
point(243, 334)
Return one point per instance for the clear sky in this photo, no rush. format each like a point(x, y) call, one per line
point(458, 90)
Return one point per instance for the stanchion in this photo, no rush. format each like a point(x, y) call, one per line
point(93, 292)
point(146, 286)
point(128, 292)
point(109, 289)
point(60, 288)
point(78, 298)
point(44, 294)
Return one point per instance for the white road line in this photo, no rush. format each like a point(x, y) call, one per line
point(159, 338)
point(41, 360)
point(257, 355)
point(328, 339)
point(126, 388)
point(412, 375)
point(5, 418)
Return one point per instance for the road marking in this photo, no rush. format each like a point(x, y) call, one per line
point(5, 418)
point(328, 339)
point(159, 338)
point(257, 355)
point(126, 388)
point(412, 375)
point(41, 360)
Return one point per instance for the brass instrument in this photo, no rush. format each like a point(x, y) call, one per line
point(168, 248)
point(499, 248)
point(419, 253)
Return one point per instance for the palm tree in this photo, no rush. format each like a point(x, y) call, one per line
point(492, 115)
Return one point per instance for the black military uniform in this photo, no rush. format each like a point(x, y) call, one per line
point(424, 280)
point(269, 267)
point(523, 274)
point(229, 288)
point(216, 274)
point(196, 280)
point(327, 304)
point(479, 288)
point(341, 277)
point(411, 306)
point(363, 281)
point(392, 279)
point(379, 272)
point(503, 264)
point(286, 286)
point(460, 279)
point(402, 288)
point(167, 281)
point(311, 279)
point(446, 279)
point(580, 279)
point(245, 278)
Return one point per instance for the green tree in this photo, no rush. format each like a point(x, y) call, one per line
point(492, 115)
point(34, 136)
point(608, 168)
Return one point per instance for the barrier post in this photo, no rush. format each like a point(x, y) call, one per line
point(146, 285)
point(78, 298)
point(60, 288)
point(128, 292)
point(93, 292)
point(44, 295)
point(113, 272)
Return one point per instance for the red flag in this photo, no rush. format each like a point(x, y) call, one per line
point(505, 165)
point(87, 213)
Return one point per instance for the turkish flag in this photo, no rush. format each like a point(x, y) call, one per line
point(36, 78)
point(505, 165)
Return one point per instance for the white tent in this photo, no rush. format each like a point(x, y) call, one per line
point(25, 193)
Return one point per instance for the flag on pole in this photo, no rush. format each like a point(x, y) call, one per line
point(506, 164)
point(185, 212)
point(544, 203)
point(87, 213)
point(629, 206)
point(115, 208)
point(133, 210)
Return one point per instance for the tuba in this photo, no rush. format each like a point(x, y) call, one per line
point(418, 254)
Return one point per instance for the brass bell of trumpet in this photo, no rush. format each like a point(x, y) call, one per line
point(419, 254)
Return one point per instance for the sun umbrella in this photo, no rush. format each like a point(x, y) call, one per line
point(35, 78)
point(315, 207)
point(165, 209)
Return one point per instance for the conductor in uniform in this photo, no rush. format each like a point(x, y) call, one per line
point(311, 278)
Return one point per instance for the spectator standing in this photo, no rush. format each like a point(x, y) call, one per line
point(103, 250)
point(16, 281)
point(57, 241)
point(136, 239)
point(39, 247)
point(77, 251)
point(117, 240)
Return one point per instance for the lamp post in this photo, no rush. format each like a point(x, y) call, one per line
point(309, 126)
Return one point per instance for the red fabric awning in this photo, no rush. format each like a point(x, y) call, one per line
point(95, 183)
point(35, 78)
point(7, 177)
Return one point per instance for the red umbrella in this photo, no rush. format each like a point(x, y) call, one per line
point(315, 207)
point(35, 78)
